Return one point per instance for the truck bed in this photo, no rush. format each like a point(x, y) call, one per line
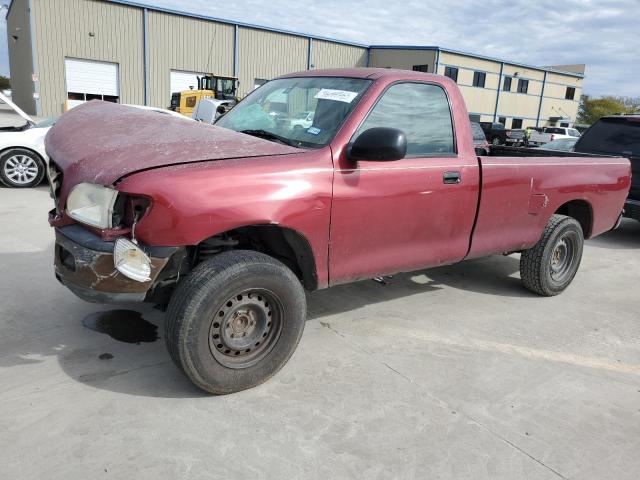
point(506, 151)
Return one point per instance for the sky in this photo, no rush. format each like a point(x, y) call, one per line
point(603, 34)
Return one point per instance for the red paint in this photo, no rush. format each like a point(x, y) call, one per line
point(362, 219)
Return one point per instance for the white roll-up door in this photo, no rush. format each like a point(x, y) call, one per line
point(88, 76)
point(180, 80)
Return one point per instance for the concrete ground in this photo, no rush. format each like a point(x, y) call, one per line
point(455, 372)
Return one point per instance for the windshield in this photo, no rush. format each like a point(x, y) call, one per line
point(271, 110)
point(565, 144)
point(614, 136)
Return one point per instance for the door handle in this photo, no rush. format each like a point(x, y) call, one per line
point(451, 177)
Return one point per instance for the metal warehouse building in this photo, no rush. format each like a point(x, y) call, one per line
point(63, 52)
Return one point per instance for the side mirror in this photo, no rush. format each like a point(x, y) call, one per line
point(379, 144)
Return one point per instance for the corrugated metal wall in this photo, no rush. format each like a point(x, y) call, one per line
point(264, 54)
point(20, 60)
point(63, 28)
point(183, 43)
point(336, 55)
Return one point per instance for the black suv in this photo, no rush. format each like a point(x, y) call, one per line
point(497, 134)
point(617, 135)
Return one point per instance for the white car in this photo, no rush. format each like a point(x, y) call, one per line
point(302, 121)
point(549, 134)
point(22, 155)
point(23, 158)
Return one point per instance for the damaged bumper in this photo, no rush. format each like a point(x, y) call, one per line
point(84, 264)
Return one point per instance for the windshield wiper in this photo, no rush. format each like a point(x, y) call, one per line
point(268, 136)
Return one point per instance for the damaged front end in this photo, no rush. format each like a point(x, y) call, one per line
point(97, 255)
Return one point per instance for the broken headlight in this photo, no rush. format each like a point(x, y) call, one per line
point(131, 261)
point(92, 204)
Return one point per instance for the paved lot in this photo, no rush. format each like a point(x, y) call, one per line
point(455, 372)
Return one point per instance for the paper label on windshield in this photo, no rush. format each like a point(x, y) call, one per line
point(337, 95)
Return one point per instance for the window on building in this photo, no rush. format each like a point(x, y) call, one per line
point(474, 117)
point(425, 120)
point(506, 84)
point(479, 79)
point(516, 123)
point(523, 86)
point(421, 68)
point(502, 120)
point(452, 73)
point(570, 94)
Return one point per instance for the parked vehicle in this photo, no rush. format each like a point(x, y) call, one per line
point(217, 87)
point(617, 135)
point(479, 140)
point(22, 153)
point(562, 144)
point(230, 223)
point(497, 134)
point(550, 134)
point(23, 158)
point(302, 121)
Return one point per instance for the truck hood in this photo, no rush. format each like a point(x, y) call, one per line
point(100, 142)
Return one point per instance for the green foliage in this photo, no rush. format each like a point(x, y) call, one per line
point(4, 83)
point(591, 109)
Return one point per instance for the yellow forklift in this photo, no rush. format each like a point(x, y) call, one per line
point(209, 86)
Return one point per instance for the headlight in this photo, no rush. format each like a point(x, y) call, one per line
point(92, 204)
point(131, 261)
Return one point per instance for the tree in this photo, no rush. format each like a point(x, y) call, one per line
point(591, 109)
point(4, 82)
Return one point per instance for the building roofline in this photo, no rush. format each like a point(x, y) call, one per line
point(232, 22)
point(326, 39)
point(475, 55)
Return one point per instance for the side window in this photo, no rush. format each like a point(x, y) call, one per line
point(421, 111)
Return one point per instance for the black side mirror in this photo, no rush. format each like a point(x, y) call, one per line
point(380, 144)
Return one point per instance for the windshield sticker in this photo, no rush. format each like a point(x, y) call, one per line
point(337, 95)
point(314, 130)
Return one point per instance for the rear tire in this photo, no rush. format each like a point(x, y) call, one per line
point(235, 321)
point(21, 168)
point(551, 264)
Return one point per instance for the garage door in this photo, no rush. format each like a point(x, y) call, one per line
point(181, 80)
point(90, 80)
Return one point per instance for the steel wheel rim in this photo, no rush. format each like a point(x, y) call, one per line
point(21, 169)
point(562, 257)
point(245, 328)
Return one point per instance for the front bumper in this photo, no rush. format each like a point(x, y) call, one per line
point(632, 209)
point(84, 264)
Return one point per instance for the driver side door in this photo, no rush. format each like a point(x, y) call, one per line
point(411, 213)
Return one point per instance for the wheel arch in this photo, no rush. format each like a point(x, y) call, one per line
point(282, 243)
point(581, 211)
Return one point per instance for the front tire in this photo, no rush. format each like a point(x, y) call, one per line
point(21, 168)
point(235, 321)
point(551, 264)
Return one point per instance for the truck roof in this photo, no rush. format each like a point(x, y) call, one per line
point(365, 72)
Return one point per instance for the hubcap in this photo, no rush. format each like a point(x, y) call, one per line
point(562, 258)
point(21, 169)
point(245, 328)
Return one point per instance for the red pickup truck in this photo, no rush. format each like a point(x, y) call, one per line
point(231, 223)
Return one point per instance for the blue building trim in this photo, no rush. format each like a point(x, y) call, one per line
point(495, 110)
point(544, 84)
point(145, 54)
point(236, 47)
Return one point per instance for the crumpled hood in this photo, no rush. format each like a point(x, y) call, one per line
point(100, 142)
